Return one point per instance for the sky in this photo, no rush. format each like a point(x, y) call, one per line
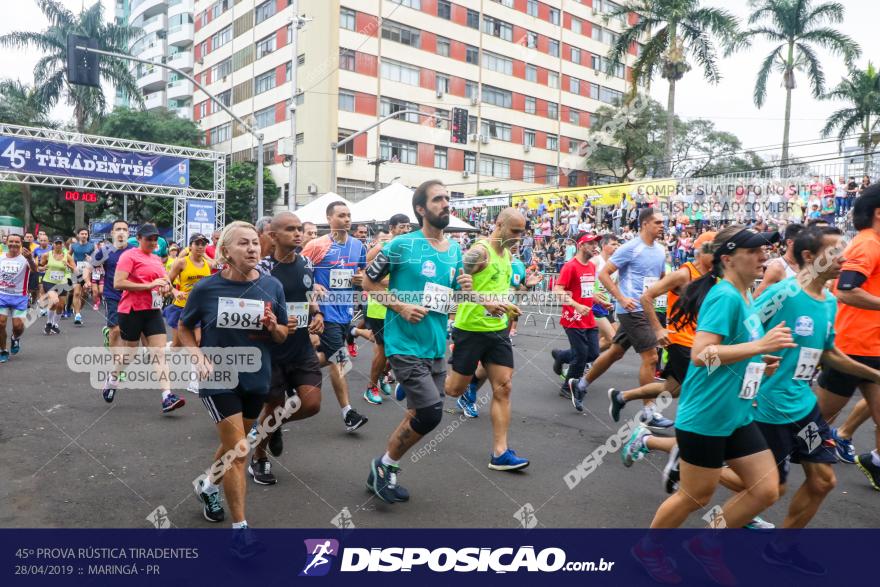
point(729, 104)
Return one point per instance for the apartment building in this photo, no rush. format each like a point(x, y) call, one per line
point(167, 36)
point(529, 73)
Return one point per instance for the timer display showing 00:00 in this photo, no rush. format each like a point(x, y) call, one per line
point(71, 196)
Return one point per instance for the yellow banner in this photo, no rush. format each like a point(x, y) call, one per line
point(600, 195)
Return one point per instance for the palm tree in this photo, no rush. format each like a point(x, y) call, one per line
point(861, 89)
point(19, 105)
point(50, 75)
point(799, 28)
point(677, 29)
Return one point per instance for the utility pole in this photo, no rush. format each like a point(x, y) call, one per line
point(296, 23)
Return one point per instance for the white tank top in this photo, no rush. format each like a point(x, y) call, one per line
point(14, 273)
point(789, 272)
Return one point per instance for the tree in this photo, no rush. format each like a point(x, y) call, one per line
point(241, 190)
point(676, 29)
point(798, 27)
point(50, 76)
point(702, 150)
point(861, 89)
point(19, 105)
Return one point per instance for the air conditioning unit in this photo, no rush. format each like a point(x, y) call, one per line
point(349, 158)
point(473, 138)
point(465, 174)
point(313, 188)
point(484, 139)
point(285, 147)
point(527, 147)
point(475, 100)
point(439, 93)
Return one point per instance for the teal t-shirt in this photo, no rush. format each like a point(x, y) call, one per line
point(710, 402)
point(519, 273)
point(570, 252)
point(415, 263)
point(785, 396)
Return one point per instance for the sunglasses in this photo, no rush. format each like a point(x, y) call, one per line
point(152, 239)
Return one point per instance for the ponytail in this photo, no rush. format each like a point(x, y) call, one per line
point(687, 306)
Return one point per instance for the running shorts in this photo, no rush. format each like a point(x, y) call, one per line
point(423, 379)
point(288, 375)
point(635, 331)
point(843, 383)
point(678, 363)
point(333, 341)
point(806, 441)
point(472, 348)
point(112, 316)
point(13, 305)
point(228, 403)
point(712, 451)
point(377, 326)
point(140, 322)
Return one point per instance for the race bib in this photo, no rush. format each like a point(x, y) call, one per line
point(56, 276)
point(587, 288)
point(808, 360)
point(437, 298)
point(239, 313)
point(298, 313)
point(97, 273)
point(659, 301)
point(340, 278)
point(752, 380)
point(157, 299)
point(81, 267)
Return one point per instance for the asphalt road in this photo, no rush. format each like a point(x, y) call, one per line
point(70, 460)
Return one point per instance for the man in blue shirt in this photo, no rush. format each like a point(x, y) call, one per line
point(82, 251)
point(338, 261)
point(107, 257)
point(640, 263)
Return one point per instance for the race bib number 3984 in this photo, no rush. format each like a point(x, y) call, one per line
point(239, 313)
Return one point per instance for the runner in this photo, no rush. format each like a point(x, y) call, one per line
point(106, 258)
point(640, 264)
point(95, 275)
point(576, 285)
point(338, 260)
point(266, 245)
point(256, 318)
point(310, 233)
point(858, 327)
point(185, 272)
point(421, 262)
point(140, 276)
point(603, 309)
point(35, 285)
point(296, 371)
point(82, 251)
point(782, 267)
point(480, 333)
point(16, 265)
point(57, 266)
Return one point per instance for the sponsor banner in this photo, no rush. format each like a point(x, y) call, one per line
point(38, 156)
point(169, 556)
point(599, 195)
point(201, 216)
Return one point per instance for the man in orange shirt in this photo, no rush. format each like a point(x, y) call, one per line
point(858, 328)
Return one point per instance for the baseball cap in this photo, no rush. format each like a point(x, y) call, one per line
point(706, 237)
point(57, 239)
point(148, 230)
point(747, 239)
point(199, 237)
point(588, 238)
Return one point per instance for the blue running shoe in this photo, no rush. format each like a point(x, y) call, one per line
point(16, 346)
point(4, 356)
point(508, 461)
point(382, 481)
point(615, 403)
point(470, 393)
point(244, 544)
point(397, 492)
point(846, 452)
point(171, 403)
point(399, 393)
point(635, 448)
point(385, 387)
point(466, 407)
point(577, 394)
point(655, 421)
point(759, 523)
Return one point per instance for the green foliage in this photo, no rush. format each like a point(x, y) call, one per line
point(860, 89)
point(241, 192)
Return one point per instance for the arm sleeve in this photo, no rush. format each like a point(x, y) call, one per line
point(380, 266)
point(850, 280)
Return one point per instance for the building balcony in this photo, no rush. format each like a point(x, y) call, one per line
point(182, 60)
point(184, 112)
point(179, 89)
point(180, 7)
point(154, 51)
point(181, 35)
point(147, 8)
point(153, 80)
point(154, 100)
point(155, 23)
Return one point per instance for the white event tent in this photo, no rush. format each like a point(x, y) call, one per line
point(394, 199)
point(316, 210)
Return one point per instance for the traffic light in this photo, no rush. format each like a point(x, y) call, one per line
point(82, 67)
point(459, 125)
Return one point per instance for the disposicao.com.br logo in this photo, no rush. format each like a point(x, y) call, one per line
point(320, 554)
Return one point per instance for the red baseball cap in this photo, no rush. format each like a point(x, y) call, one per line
point(588, 238)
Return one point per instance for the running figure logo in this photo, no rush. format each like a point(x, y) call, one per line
point(811, 437)
point(319, 556)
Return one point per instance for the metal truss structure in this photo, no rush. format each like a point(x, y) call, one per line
point(179, 194)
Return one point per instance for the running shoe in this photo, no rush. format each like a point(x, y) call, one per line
point(43, 312)
point(577, 396)
point(467, 408)
point(15, 346)
point(655, 421)
point(253, 434)
point(212, 506)
point(557, 361)
point(710, 559)
point(245, 544)
point(470, 394)
point(261, 472)
point(95, 306)
point(371, 394)
point(276, 443)
point(508, 461)
point(78, 319)
point(846, 452)
point(353, 420)
point(398, 493)
point(399, 393)
point(171, 403)
point(56, 329)
point(564, 391)
point(759, 523)
point(615, 403)
point(65, 315)
point(193, 387)
point(105, 332)
point(109, 390)
point(658, 375)
point(352, 350)
point(4, 356)
point(866, 465)
point(792, 558)
point(47, 330)
point(659, 567)
point(385, 386)
point(635, 448)
point(382, 481)
point(672, 472)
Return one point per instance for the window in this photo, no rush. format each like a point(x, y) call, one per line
point(347, 148)
point(530, 105)
point(470, 161)
point(221, 37)
point(601, 64)
point(554, 16)
point(440, 158)
point(389, 106)
point(495, 167)
point(508, 3)
point(221, 70)
point(444, 9)
point(552, 142)
point(225, 98)
point(264, 117)
point(346, 59)
point(497, 28)
point(532, 7)
point(574, 117)
point(553, 79)
point(552, 110)
point(497, 63)
point(594, 119)
point(573, 145)
point(472, 125)
point(442, 83)
point(529, 138)
point(221, 133)
point(264, 82)
point(531, 40)
point(529, 172)
point(572, 178)
point(443, 121)
point(202, 109)
point(575, 55)
point(594, 91)
point(604, 35)
point(553, 47)
point(552, 175)
point(609, 96)
point(398, 150)
point(497, 97)
point(300, 138)
point(473, 19)
point(531, 73)
point(346, 101)
point(287, 71)
point(414, 4)
point(301, 60)
point(264, 11)
point(266, 46)
point(347, 18)
point(400, 33)
point(443, 46)
point(576, 25)
point(399, 72)
point(496, 130)
point(574, 85)
point(471, 90)
point(472, 55)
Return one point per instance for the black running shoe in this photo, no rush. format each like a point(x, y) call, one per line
point(276, 443)
point(671, 472)
point(261, 471)
point(400, 493)
point(353, 420)
point(213, 509)
point(382, 481)
point(557, 362)
point(872, 472)
point(56, 329)
point(615, 404)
